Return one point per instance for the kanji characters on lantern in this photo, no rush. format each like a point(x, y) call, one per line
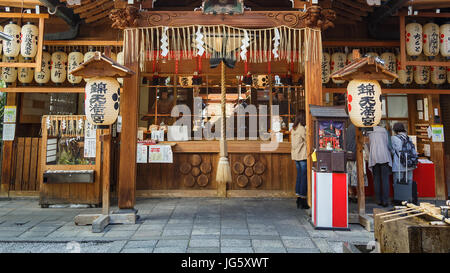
point(405, 76)
point(338, 60)
point(364, 102)
point(25, 74)
point(421, 73)
point(11, 49)
point(75, 59)
point(102, 100)
point(29, 36)
point(431, 40)
point(414, 43)
point(58, 67)
point(390, 63)
point(9, 74)
point(326, 71)
point(444, 40)
point(438, 73)
point(44, 76)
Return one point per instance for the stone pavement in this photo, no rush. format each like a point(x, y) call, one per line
point(174, 225)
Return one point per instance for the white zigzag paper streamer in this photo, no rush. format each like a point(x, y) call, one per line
point(200, 43)
point(164, 43)
point(245, 44)
point(276, 43)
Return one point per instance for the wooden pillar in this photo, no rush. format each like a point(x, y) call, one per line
point(106, 170)
point(313, 95)
point(360, 169)
point(7, 154)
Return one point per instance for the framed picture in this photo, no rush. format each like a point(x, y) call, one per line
point(223, 6)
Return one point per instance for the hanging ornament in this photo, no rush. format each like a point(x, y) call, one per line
point(25, 74)
point(326, 71)
point(89, 54)
point(75, 58)
point(58, 67)
point(44, 76)
point(121, 61)
point(390, 63)
point(164, 43)
point(276, 43)
point(245, 44)
point(200, 43)
point(29, 37)
point(9, 74)
point(338, 60)
point(421, 73)
point(364, 102)
point(438, 73)
point(431, 40)
point(405, 76)
point(444, 31)
point(102, 100)
point(414, 41)
point(11, 49)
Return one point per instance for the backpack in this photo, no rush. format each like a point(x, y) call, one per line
point(408, 155)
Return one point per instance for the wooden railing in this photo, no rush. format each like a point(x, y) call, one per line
point(25, 164)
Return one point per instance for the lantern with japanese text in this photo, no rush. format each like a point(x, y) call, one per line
point(349, 58)
point(44, 76)
point(75, 58)
point(29, 40)
point(326, 71)
point(121, 61)
point(414, 43)
point(438, 73)
point(390, 63)
point(405, 76)
point(58, 67)
point(9, 74)
point(338, 60)
point(431, 40)
point(25, 74)
point(11, 49)
point(444, 32)
point(421, 73)
point(89, 53)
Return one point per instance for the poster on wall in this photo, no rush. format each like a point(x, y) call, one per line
point(9, 114)
point(9, 130)
point(160, 154)
point(142, 153)
point(437, 133)
point(90, 141)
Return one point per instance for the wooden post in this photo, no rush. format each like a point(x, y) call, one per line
point(360, 169)
point(402, 42)
point(7, 153)
point(106, 170)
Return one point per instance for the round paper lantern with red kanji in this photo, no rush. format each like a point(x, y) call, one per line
point(414, 43)
point(444, 40)
point(390, 62)
point(11, 49)
point(405, 76)
point(421, 73)
point(25, 74)
point(338, 60)
point(326, 69)
point(120, 60)
point(75, 58)
point(364, 102)
point(431, 39)
point(29, 40)
point(58, 67)
point(44, 76)
point(438, 73)
point(102, 100)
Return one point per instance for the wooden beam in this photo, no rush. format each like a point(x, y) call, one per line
point(393, 91)
point(24, 15)
point(345, 13)
point(43, 90)
point(355, 11)
point(427, 63)
point(357, 5)
point(83, 43)
point(89, 6)
point(92, 12)
point(97, 17)
point(27, 4)
point(402, 42)
point(362, 43)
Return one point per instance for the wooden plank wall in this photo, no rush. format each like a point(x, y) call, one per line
point(25, 164)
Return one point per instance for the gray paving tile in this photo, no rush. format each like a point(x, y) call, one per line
point(297, 242)
point(236, 250)
point(269, 250)
point(137, 250)
point(234, 231)
point(172, 243)
point(177, 231)
point(169, 250)
point(303, 250)
point(235, 243)
point(141, 244)
point(204, 243)
point(203, 250)
point(267, 244)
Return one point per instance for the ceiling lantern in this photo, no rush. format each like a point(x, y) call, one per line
point(89, 53)
point(414, 39)
point(75, 58)
point(438, 73)
point(120, 60)
point(390, 62)
point(44, 76)
point(444, 39)
point(338, 60)
point(364, 102)
point(29, 40)
point(326, 71)
point(431, 40)
point(9, 74)
point(421, 73)
point(11, 49)
point(102, 100)
point(58, 67)
point(405, 76)
point(25, 74)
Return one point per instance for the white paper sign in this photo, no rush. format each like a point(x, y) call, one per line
point(9, 130)
point(425, 108)
point(160, 154)
point(119, 124)
point(177, 133)
point(9, 114)
point(142, 152)
point(420, 115)
point(90, 141)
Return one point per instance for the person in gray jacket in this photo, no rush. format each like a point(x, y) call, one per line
point(380, 162)
point(398, 169)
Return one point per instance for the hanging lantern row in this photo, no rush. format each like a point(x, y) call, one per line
point(429, 39)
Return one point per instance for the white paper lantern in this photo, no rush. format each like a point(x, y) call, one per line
point(25, 74)
point(326, 71)
point(364, 102)
point(29, 40)
point(102, 100)
point(438, 73)
point(74, 60)
point(421, 73)
point(372, 54)
point(338, 60)
point(120, 60)
point(349, 58)
point(405, 76)
point(414, 39)
point(58, 67)
point(12, 48)
point(390, 62)
point(448, 74)
point(89, 54)
point(44, 76)
point(431, 39)
point(444, 40)
point(9, 74)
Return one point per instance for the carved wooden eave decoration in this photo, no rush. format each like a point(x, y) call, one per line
point(366, 68)
point(101, 66)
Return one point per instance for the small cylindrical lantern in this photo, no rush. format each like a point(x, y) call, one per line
point(11, 49)
point(58, 67)
point(364, 102)
point(44, 76)
point(102, 100)
point(120, 60)
point(9, 74)
point(390, 62)
point(338, 60)
point(431, 40)
point(405, 76)
point(25, 74)
point(75, 58)
point(326, 71)
point(29, 40)
point(414, 41)
point(89, 53)
point(421, 73)
point(444, 40)
point(438, 73)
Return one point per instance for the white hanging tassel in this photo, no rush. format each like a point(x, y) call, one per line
point(164, 42)
point(276, 43)
point(245, 44)
point(200, 42)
